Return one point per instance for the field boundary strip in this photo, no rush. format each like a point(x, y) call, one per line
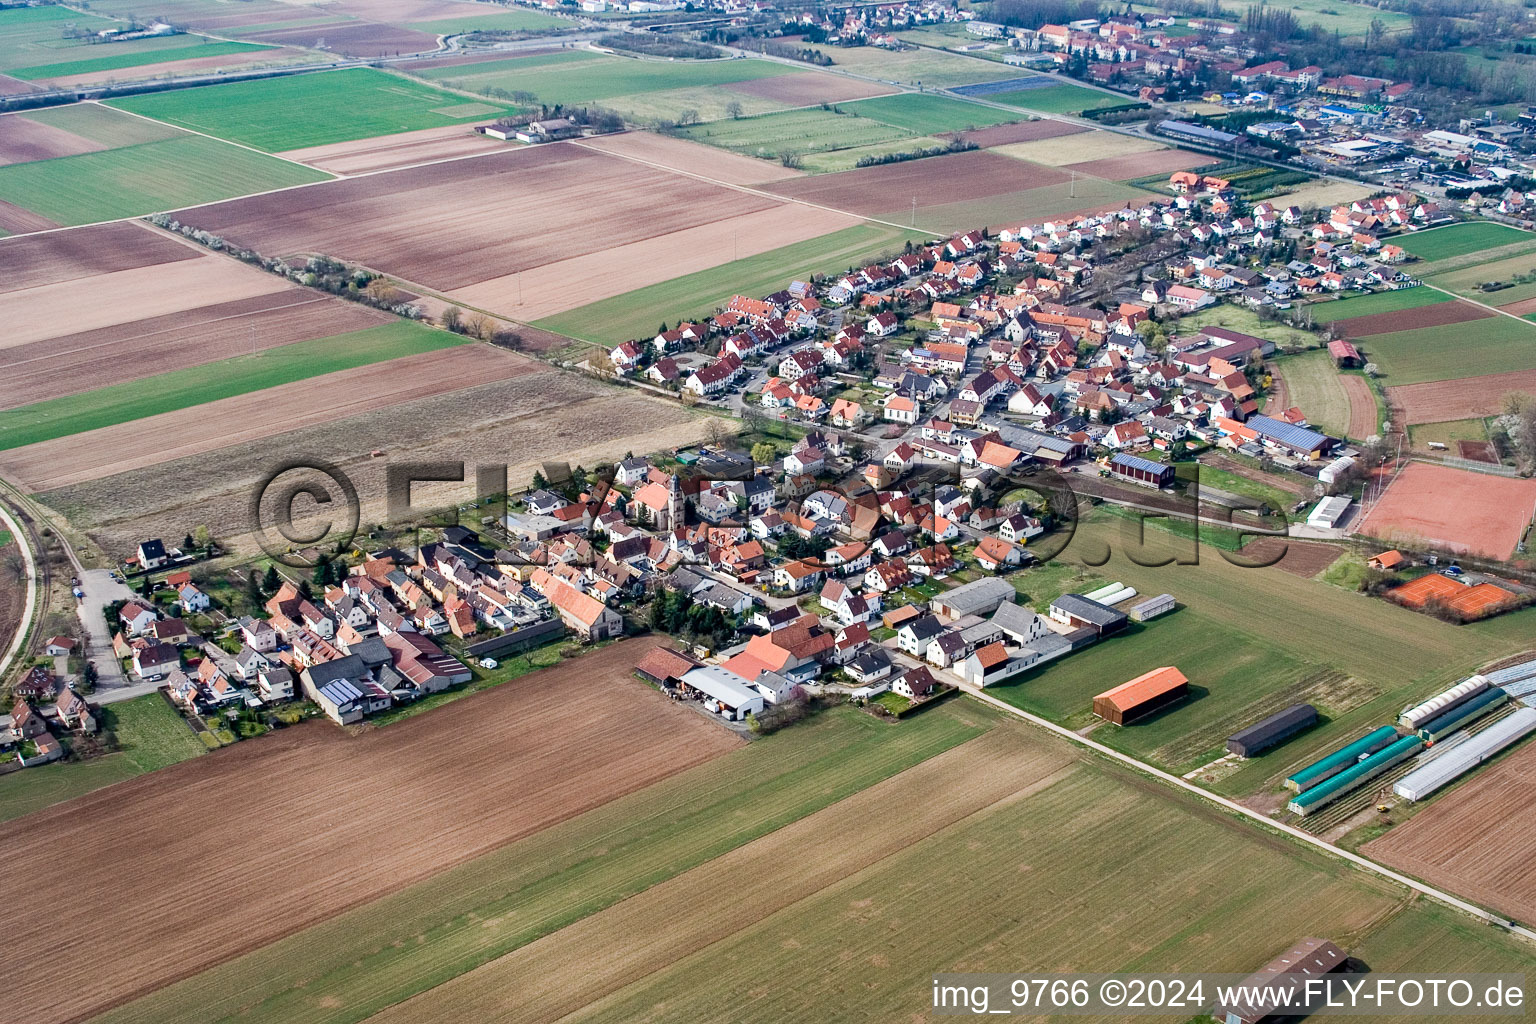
point(29, 607)
point(1233, 806)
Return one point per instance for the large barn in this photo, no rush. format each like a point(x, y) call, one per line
point(1139, 697)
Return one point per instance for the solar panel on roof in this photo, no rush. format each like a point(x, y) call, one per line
point(1287, 433)
point(1132, 462)
point(341, 691)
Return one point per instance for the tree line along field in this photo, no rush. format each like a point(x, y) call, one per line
point(124, 166)
point(197, 385)
point(150, 735)
point(1495, 344)
point(614, 320)
point(339, 106)
point(357, 964)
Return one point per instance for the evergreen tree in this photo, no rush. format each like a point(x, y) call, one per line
point(253, 589)
point(271, 581)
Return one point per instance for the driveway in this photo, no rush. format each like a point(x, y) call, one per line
point(100, 590)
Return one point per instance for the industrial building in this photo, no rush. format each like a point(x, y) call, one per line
point(1307, 958)
point(979, 597)
point(1152, 607)
point(1310, 800)
point(1456, 762)
point(1149, 692)
point(1342, 758)
point(726, 693)
point(1330, 512)
point(1080, 612)
point(1272, 731)
point(1141, 471)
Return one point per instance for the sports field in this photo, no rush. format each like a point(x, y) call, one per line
point(617, 319)
point(1446, 509)
point(1496, 344)
point(1375, 302)
point(926, 114)
point(133, 180)
point(196, 385)
point(1460, 240)
point(353, 103)
point(150, 736)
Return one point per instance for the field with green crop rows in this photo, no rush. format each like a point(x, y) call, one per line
point(370, 958)
point(617, 319)
point(194, 47)
point(195, 385)
point(147, 178)
point(797, 131)
point(150, 734)
point(1018, 207)
point(933, 69)
point(1376, 302)
point(1459, 240)
point(926, 114)
point(1059, 99)
point(1496, 344)
point(339, 106)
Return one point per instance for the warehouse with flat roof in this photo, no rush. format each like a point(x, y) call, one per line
point(1149, 692)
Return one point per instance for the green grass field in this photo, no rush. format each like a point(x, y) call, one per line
point(150, 734)
point(135, 180)
point(1059, 99)
point(1468, 280)
point(932, 69)
point(1313, 384)
point(1241, 318)
point(113, 60)
point(926, 114)
point(615, 320)
point(353, 965)
point(1447, 432)
point(1376, 302)
point(195, 385)
point(339, 106)
point(1459, 240)
point(1350, 19)
point(112, 128)
point(1016, 207)
point(1277, 498)
point(35, 35)
point(848, 159)
point(796, 131)
point(1494, 345)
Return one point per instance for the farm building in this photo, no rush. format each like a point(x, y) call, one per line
point(1310, 800)
point(1443, 702)
point(1330, 512)
point(1340, 759)
point(664, 666)
point(1140, 471)
point(1345, 355)
point(1442, 726)
point(979, 597)
point(1299, 441)
point(1272, 731)
point(1152, 607)
point(1306, 958)
point(726, 693)
point(1388, 561)
point(1148, 692)
point(1079, 612)
point(1454, 763)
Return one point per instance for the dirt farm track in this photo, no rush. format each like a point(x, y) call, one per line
point(308, 821)
point(1475, 839)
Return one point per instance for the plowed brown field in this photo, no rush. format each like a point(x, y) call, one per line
point(391, 152)
point(869, 191)
point(20, 221)
point(691, 157)
point(355, 39)
point(1440, 314)
point(1362, 406)
point(1024, 131)
point(1463, 399)
point(309, 821)
point(1476, 841)
point(803, 90)
point(258, 414)
point(85, 252)
point(454, 224)
point(1137, 165)
point(22, 141)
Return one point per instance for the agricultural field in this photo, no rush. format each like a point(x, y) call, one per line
point(1059, 99)
point(162, 304)
point(1064, 198)
point(932, 69)
point(1516, 273)
point(508, 21)
point(1374, 303)
point(521, 421)
point(1460, 240)
point(87, 163)
point(1464, 398)
point(801, 133)
point(1084, 147)
point(567, 741)
point(1344, 17)
point(927, 114)
point(1474, 838)
point(679, 154)
point(393, 152)
point(350, 967)
point(1320, 193)
point(652, 91)
point(352, 103)
point(1439, 314)
point(1446, 432)
point(196, 385)
point(1240, 318)
point(1021, 131)
point(614, 320)
point(1453, 510)
point(1495, 345)
point(1315, 385)
point(150, 735)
